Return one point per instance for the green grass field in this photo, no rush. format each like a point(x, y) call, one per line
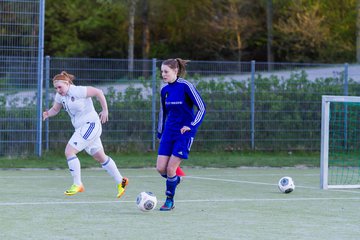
point(196, 159)
point(211, 203)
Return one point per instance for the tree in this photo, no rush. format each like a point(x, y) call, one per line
point(269, 26)
point(146, 30)
point(132, 7)
point(145, 36)
point(85, 28)
point(315, 31)
point(340, 18)
point(301, 33)
point(234, 26)
point(358, 31)
point(296, 31)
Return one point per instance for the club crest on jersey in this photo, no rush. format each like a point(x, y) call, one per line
point(64, 105)
point(72, 99)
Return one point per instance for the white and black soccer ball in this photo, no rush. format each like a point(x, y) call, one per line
point(286, 185)
point(146, 201)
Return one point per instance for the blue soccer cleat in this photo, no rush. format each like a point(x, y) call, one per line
point(168, 205)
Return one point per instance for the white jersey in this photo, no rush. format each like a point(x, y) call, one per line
point(79, 107)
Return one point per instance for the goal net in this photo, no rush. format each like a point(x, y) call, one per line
point(340, 142)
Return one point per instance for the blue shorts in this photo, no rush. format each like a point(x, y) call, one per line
point(176, 144)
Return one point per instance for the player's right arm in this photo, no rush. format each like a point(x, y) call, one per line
point(162, 115)
point(55, 109)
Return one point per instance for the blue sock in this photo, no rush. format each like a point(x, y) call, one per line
point(171, 183)
point(164, 176)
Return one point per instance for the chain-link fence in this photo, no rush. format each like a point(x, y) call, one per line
point(250, 105)
point(21, 68)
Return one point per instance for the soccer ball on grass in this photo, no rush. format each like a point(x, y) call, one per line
point(286, 185)
point(146, 201)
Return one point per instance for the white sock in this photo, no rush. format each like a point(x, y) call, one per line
point(111, 168)
point(75, 169)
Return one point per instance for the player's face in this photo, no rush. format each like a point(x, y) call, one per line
point(169, 75)
point(61, 87)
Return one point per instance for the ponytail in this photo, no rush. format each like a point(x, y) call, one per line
point(64, 76)
point(177, 63)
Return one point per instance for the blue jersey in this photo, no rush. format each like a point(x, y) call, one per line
point(177, 107)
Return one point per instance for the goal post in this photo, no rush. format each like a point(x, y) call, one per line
point(340, 142)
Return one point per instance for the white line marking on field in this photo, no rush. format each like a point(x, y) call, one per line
point(209, 177)
point(265, 199)
point(241, 181)
point(36, 177)
point(58, 203)
point(269, 184)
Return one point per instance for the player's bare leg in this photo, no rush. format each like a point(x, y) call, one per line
point(172, 180)
point(110, 166)
point(75, 170)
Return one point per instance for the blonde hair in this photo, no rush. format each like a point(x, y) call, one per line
point(178, 63)
point(64, 76)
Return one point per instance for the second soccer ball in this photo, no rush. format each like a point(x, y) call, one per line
point(286, 185)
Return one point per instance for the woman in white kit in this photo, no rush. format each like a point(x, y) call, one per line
point(76, 100)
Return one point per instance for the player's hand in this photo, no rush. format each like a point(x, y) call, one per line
point(184, 129)
point(45, 115)
point(104, 116)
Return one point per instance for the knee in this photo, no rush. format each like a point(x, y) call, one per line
point(171, 171)
point(100, 159)
point(100, 156)
point(161, 170)
point(68, 153)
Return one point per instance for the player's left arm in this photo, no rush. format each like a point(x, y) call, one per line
point(98, 93)
point(200, 105)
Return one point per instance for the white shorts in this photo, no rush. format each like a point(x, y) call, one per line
point(87, 137)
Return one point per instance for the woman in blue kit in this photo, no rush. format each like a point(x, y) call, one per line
point(178, 123)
